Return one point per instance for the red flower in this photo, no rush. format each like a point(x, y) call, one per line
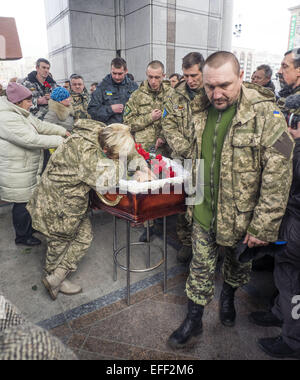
point(159, 157)
point(46, 84)
point(169, 173)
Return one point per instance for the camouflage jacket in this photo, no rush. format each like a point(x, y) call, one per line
point(80, 104)
point(138, 112)
point(61, 200)
point(256, 168)
point(38, 90)
point(176, 124)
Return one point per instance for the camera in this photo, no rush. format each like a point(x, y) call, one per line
point(292, 120)
point(291, 112)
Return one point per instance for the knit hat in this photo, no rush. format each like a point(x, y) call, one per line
point(59, 94)
point(15, 92)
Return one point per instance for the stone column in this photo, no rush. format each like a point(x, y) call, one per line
point(226, 43)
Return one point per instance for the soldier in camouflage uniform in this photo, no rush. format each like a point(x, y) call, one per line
point(144, 114)
point(80, 97)
point(247, 151)
point(59, 206)
point(177, 131)
point(144, 110)
point(35, 82)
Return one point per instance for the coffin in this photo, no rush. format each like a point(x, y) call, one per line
point(139, 202)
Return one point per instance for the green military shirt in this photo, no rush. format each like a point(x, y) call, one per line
point(214, 134)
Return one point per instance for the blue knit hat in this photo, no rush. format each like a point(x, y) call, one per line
point(59, 94)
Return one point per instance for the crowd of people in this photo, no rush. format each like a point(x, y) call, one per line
point(55, 142)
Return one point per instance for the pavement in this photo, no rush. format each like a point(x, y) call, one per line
point(99, 325)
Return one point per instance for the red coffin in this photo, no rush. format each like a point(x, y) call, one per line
point(138, 208)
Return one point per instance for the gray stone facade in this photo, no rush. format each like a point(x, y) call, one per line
point(85, 35)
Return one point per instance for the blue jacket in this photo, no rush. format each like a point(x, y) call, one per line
point(107, 93)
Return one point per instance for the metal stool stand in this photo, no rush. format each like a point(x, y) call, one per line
point(128, 268)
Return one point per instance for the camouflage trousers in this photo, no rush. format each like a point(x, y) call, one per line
point(66, 253)
point(200, 283)
point(184, 230)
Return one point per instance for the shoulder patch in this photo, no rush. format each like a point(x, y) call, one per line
point(276, 114)
point(284, 145)
point(165, 113)
point(127, 110)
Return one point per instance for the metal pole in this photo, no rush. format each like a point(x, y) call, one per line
point(115, 248)
point(165, 255)
point(128, 261)
point(148, 240)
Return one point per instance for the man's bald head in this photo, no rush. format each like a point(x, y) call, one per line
point(220, 58)
point(222, 79)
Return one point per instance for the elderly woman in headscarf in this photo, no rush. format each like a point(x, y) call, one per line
point(89, 159)
point(22, 140)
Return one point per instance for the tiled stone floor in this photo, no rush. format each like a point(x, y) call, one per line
point(140, 331)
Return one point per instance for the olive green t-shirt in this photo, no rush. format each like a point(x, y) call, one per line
point(216, 128)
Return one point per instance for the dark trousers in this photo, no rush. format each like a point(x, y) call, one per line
point(287, 281)
point(21, 222)
point(286, 306)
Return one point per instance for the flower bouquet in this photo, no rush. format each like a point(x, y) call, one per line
point(48, 87)
point(167, 172)
point(157, 163)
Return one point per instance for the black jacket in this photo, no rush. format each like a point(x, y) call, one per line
point(293, 206)
point(290, 226)
point(107, 93)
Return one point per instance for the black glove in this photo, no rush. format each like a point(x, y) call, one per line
point(245, 254)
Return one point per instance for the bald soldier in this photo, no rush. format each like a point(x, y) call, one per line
point(144, 110)
point(242, 138)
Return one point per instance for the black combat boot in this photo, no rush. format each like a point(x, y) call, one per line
point(265, 318)
point(277, 348)
point(190, 327)
point(227, 310)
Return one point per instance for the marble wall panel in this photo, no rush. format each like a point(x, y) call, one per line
point(137, 60)
point(133, 5)
point(138, 28)
point(92, 64)
point(215, 7)
point(192, 29)
point(54, 8)
point(59, 34)
point(193, 5)
point(159, 25)
point(214, 34)
point(92, 31)
point(62, 65)
point(102, 7)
